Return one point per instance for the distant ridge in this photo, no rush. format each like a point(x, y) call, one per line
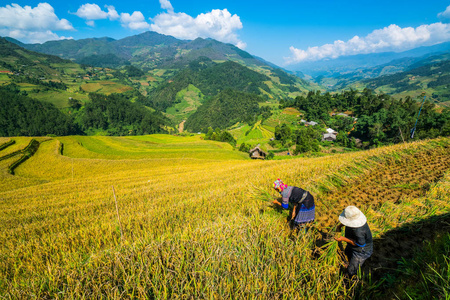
point(352, 63)
point(146, 50)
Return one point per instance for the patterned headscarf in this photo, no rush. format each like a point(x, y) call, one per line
point(279, 184)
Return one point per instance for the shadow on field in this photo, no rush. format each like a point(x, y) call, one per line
point(403, 242)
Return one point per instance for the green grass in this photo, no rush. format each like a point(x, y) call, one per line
point(189, 100)
point(254, 135)
point(280, 117)
point(151, 146)
point(105, 87)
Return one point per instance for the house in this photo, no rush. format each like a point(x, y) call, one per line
point(340, 114)
point(311, 123)
point(328, 137)
point(329, 130)
point(257, 153)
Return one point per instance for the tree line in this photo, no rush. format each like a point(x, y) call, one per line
point(115, 114)
point(375, 118)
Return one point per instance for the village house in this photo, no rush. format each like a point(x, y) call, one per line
point(328, 137)
point(329, 130)
point(311, 123)
point(257, 153)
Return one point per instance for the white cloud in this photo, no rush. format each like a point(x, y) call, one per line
point(445, 15)
point(391, 38)
point(91, 12)
point(112, 13)
point(165, 4)
point(135, 21)
point(217, 24)
point(31, 24)
point(32, 36)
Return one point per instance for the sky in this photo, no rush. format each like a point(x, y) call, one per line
point(282, 32)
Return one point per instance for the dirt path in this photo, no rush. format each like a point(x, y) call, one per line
point(181, 126)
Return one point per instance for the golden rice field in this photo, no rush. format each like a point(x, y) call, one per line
point(193, 218)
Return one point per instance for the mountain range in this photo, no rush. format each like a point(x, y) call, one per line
point(178, 77)
point(361, 62)
point(171, 75)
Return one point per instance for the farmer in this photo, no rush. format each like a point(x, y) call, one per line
point(304, 209)
point(357, 236)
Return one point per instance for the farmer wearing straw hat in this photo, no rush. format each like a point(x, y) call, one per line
point(357, 236)
point(303, 202)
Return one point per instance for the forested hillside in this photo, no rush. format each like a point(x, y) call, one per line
point(225, 109)
point(433, 78)
point(375, 118)
point(210, 78)
point(146, 50)
point(15, 59)
point(23, 116)
point(170, 75)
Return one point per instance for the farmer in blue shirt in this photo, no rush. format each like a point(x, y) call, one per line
point(357, 236)
point(304, 209)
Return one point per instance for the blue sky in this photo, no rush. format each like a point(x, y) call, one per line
point(282, 32)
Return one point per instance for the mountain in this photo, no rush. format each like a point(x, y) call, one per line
point(14, 58)
point(147, 50)
point(354, 63)
point(171, 75)
point(210, 78)
point(430, 76)
point(225, 109)
point(150, 50)
point(181, 95)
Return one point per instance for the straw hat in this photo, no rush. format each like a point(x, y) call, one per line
point(352, 217)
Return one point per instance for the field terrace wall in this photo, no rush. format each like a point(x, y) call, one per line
point(7, 144)
point(27, 153)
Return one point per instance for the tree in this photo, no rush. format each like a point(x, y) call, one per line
point(283, 133)
point(306, 140)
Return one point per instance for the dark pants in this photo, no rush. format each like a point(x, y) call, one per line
point(356, 259)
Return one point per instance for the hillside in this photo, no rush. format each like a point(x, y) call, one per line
point(147, 50)
point(51, 79)
point(177, 75)
point(431, 76)
point(210, 79)
point(225, 109)
point(344, 80)
point(358, 63)
point(165, 217)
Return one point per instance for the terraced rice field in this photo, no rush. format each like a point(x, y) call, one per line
point(193, 219)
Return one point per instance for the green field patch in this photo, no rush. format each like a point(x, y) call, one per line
point(286, 116)
point(189, 99)
point(59, 98)
point(105, 87)
point(291, 111)
point(256, 134)
point(147, 147)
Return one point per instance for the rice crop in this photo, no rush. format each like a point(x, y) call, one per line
point(196, 219)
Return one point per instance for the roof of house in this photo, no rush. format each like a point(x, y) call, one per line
point(329, 136)
point(257, 149)
point(312, 123)
point(329, 130)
